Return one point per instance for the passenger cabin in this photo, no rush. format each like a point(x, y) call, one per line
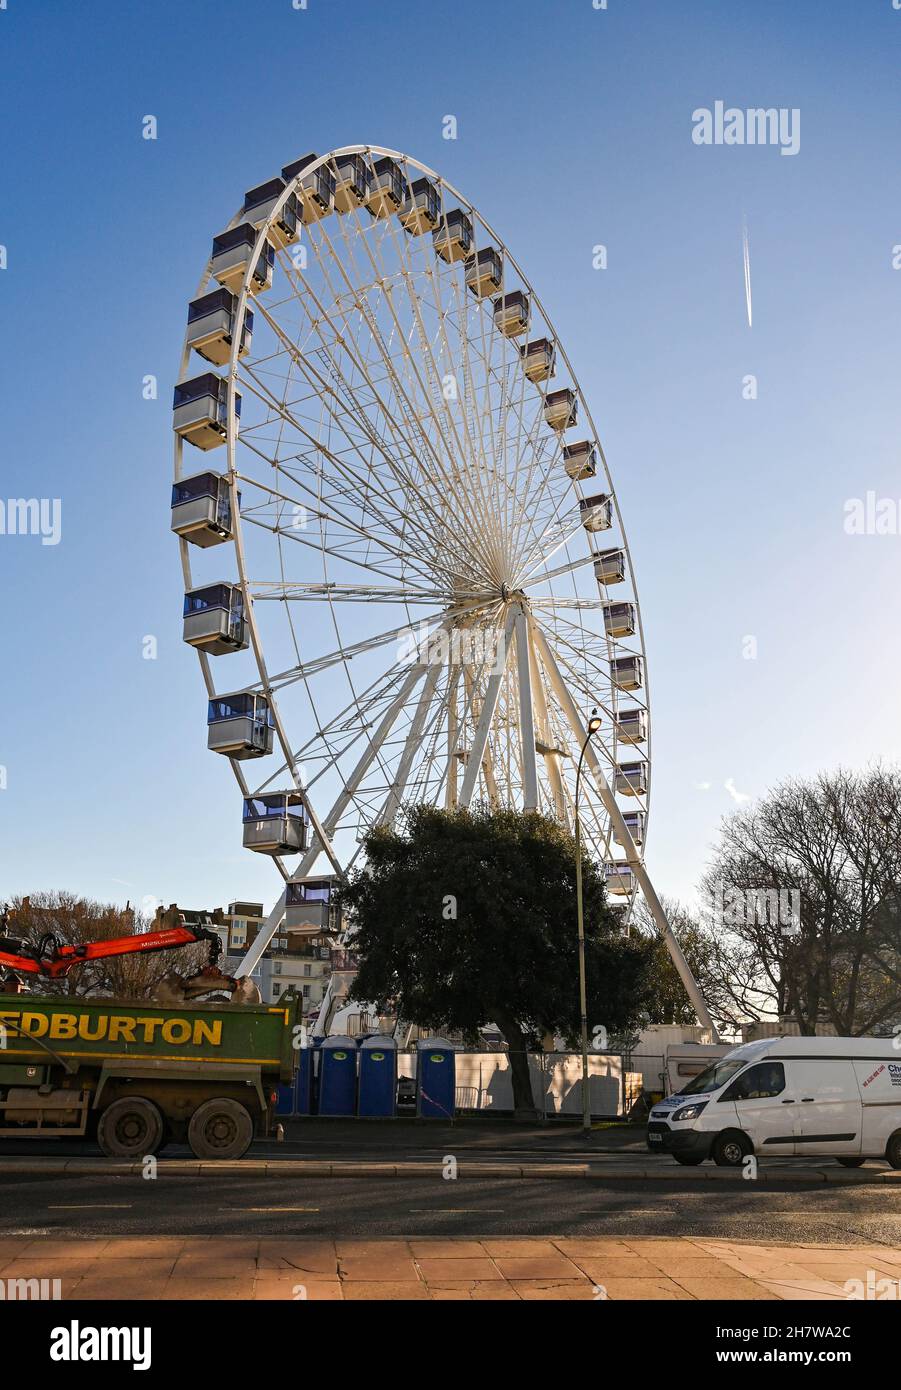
point(539, 359)
point(387, 188)
point(421, 208)
point(635, 823)
point(609, 566)
point(512, 313)
point(620, 879)
point(275, 823)
point(452, 238)
point(632, 779)
point(211, 326)
point(620, 619)
point(200, 410)
point(485, 272)
point(259, 204)
point(561, 409)
point(631, 726)
point(627, 672)
point(214, 619)
point(308, 910)
point(240, 725)
point(315, 190)
point(352, 179)
point(580, 460)
point(596, 512)
point(202, 509)
point(232, 254)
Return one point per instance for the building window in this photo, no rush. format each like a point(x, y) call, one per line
point(306, 991)
point(276, 991)
point(307, 970)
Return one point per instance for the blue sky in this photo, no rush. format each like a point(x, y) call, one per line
point(574, 128)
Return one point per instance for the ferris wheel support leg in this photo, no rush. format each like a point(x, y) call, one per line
point(368, 757)
point(263, 937)
point(480, 738)
point(414, 737)
point(633, 858)
point(526, 715)
point(551, 760)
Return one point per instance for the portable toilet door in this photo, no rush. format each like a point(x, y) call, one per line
point(378, 1078)
point(303, 1082)
point(338, 1076)
point(436, 1079)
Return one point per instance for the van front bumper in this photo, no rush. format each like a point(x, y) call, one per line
point(662, 1139)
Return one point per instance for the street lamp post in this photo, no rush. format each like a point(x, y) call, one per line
point(594, 724)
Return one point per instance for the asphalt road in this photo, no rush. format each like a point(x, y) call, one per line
point(257, 1205)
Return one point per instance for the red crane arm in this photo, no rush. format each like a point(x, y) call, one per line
point(53, 960)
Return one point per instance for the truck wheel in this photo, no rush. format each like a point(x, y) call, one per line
point(893, 1149)
point(220, 1129)
point(130, 1128)
point(689, 1160)
point(851, 1162)
point(730, 1149)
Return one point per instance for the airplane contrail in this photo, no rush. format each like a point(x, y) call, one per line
point(746, 252)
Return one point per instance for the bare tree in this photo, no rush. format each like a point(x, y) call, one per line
point(829, 850)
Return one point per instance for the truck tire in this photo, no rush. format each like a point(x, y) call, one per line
point(851, 1162)
point(893, 1149)
point(731, 1148)
point(131, 1127)
point(220, 1129)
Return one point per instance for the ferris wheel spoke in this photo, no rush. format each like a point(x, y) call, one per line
point(426, 395)
point(339, 593)
point(389, 417)
point(345, 551)
point(357, 412)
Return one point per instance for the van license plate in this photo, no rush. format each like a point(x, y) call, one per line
point(655, 1138)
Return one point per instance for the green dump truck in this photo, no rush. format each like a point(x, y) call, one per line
point(136, 1076)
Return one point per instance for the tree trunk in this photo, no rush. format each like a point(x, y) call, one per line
point(523, 1102)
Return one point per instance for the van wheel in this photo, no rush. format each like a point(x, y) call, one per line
point(130, 1128)
point(689, 1160)
point(220, 1129)
point(851, 1162)
point(893, 1149)
point(730, 1149)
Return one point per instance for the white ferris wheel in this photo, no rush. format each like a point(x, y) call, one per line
point(405, 542)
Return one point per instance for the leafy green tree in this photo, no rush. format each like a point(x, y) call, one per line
point(465, 918)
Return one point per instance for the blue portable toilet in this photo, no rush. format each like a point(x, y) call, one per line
point(285, 1094)
point(338, 1076)
point(378, 1077)
point(436, 1079)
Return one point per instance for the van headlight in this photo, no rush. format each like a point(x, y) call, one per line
point(690, 1112)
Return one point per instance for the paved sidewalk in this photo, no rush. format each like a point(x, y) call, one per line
point(515, 1268)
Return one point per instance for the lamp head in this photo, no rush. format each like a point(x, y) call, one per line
point(594, 722)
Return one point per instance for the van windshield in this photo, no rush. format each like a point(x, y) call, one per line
point(713, 1077)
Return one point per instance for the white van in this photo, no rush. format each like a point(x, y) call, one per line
point(815, 1097)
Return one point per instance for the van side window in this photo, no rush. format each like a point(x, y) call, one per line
point(766, 1079)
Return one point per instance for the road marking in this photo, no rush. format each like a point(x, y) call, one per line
point(269, 1209)
point(459, 1211)
point(92, 1206)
